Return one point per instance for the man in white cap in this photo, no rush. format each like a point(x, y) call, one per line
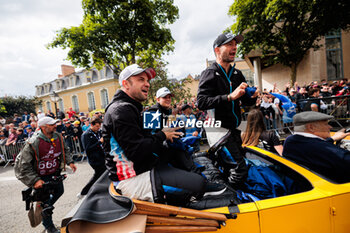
point(135, 158)
point(42, 158)
point(163, 105)
point(223, 87)
point(40, 114)
point(313, 147)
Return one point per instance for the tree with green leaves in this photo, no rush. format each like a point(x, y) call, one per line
point(118, 33)
point(2, 109)
point(18, 104)
point(284, 30)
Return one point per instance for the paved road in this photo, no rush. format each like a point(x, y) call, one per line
point(13, 217)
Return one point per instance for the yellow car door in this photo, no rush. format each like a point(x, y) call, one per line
point(304, 212)
point(307, 211)
point(340, 207)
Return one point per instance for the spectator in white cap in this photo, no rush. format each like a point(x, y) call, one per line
point(46, 121)
point(40, 114)
point(133, 153)
point(163, 92)
point(313, 146)
point(43, 157)
point(163, 105)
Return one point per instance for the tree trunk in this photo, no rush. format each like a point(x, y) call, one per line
point(293, 73)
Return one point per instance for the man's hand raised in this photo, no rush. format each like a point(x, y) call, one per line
point(238, 92)
point(171, 134)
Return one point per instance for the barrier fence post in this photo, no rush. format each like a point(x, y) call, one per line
point(11, 151)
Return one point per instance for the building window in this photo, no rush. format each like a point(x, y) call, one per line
point(104, 98)
point(334, 55)
point(58, 86)
point(64, 84)
point(75, 103)
point(91, 101)
point(94, 76)
point(48, 105)
point(61, 105)
point(77, 81)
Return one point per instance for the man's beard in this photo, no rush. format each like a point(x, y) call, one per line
point(226, 58)
point(140, 97)
point(49, 133)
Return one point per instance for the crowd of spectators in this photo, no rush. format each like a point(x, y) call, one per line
point(312, 97)
point(15, 131)
point(72, 124)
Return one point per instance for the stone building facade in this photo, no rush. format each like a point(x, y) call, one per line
point(84, 90)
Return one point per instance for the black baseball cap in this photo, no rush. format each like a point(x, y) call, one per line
point(227, 37)
point(186, 106)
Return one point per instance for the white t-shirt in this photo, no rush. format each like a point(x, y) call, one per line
point(40, 115)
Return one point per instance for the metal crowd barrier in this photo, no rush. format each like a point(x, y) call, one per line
point(9, 153)
point(75, 147)
point(337, 106)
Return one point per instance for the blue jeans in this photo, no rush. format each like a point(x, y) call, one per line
point(274, 124)
point(267, 123)
point(58, 190)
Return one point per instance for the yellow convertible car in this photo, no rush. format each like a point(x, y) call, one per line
point(309, 203)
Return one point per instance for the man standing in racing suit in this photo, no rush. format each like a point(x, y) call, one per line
point(223, 89)
point(44, 156)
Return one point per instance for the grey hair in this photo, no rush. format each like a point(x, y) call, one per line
point(300, 128)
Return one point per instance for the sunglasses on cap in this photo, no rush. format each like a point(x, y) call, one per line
point(150, 72)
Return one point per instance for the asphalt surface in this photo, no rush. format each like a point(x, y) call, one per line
point(14, 217)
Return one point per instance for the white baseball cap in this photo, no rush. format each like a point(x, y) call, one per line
point(46, 121)
point(133, 70)
point(162, 92)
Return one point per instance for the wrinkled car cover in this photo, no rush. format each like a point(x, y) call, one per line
point(100, 207)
